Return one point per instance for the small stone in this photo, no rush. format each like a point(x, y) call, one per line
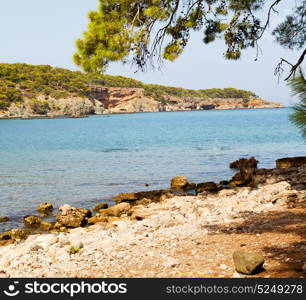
point(36, 247)
point(248, 262)
point(223, 267)
point(63, 229)
point(4, 219)
point(179, 182)
point(45, 207)
point(116, 210)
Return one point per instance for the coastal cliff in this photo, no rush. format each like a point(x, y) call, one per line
point(43, 91)
point(109, 100)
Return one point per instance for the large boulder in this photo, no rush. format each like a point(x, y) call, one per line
point(244, 163)
point(179, 182)
point(248, 263)
point(72, 217)
point(291, 162)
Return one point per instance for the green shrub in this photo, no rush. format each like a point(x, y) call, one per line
point(39, 107)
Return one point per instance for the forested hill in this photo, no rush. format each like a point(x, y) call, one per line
point(19, 81)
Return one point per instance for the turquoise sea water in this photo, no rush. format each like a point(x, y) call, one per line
point(85, 161)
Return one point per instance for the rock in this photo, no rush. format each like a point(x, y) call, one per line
point(97, 219)
point(100, 206)
point(224, 183)
point(57, 226)
point(155, 195)
point(32, 221)
point(190, 186)
point(43, 215)
point(19, 234)
point(178, 182)
point(46, 226)
point(292, 200)
point(63, 229)
point(116, 210)
point(248, 262)
point(206, 187)
point(243, 178)
point(125, 197)
point(291, 162)
point(15, 235)
point(137, 217)
point(45, 207)
point(5, 236)
point(4, 219)
point(139, 213)
point(72, 217)
point(243, 163)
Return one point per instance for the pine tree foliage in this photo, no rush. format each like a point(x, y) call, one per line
point(143, 31)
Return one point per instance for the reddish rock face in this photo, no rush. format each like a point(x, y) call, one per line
point(117, 100)
point(111, 97)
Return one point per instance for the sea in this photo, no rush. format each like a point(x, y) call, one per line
point(86, 161)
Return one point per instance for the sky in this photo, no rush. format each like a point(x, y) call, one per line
point(44, 32)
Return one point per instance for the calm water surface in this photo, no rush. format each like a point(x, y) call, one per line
point(84, 161)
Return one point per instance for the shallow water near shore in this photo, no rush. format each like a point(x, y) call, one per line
point(85, 161)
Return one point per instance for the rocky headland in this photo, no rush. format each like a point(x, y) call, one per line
point(28, 91)
point(112, 100)
point(251, 225)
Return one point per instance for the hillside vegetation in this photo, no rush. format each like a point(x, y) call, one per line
point(19, 80)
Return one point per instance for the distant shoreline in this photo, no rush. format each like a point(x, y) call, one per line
point(131, 113)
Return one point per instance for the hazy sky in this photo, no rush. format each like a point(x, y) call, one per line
point(44, 32)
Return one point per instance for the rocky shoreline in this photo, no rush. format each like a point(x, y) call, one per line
point(188, 230)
